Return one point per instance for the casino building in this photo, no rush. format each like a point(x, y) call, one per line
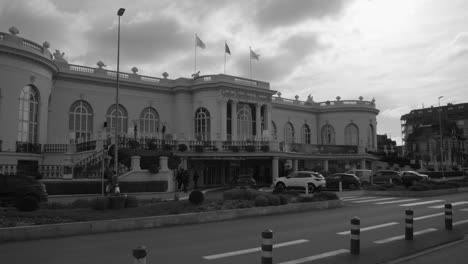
point(57, 117)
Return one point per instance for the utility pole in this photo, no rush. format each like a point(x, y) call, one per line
point(441, 141)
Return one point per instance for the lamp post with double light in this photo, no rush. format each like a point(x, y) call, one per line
point(120, 12)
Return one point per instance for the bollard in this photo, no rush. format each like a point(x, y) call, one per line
point(355, 233)
point(448, 217)
point(139, 253)
point(409, 224)
point(340, 186)
point(267, 247)
point(390, 181)
point(306, 189)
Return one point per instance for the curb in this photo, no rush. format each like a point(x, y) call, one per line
point(116, 225)
point(416, 193)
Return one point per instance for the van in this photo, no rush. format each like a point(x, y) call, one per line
point(365, 176)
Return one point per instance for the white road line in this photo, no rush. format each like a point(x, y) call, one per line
point(315, 257)
point(360, 198)
point(251, 250)
point(420, 203)
point(443, 205)
point(428, 216)
point(398, 201)
point(460, 222)
point(390, 239)
point(347, 197)
point(374, 200)
point(464, 209)
point(370, 228)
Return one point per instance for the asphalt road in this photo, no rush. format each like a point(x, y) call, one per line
point(296, 236)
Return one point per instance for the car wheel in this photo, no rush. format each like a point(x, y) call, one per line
point(280, 187)
point(311, 187)
point(28, 203)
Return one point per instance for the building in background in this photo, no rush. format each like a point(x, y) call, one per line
point(437, 136)
point(59, 119)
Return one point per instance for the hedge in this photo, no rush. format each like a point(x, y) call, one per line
point(94, 187)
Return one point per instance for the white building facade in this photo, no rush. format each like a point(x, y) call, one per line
point(53, 114)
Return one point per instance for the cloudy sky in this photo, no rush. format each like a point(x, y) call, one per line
point(403, 53)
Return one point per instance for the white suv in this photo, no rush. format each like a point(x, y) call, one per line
point(299, 179)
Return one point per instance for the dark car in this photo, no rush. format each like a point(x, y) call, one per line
point(22, 191)
point(386, 176)
point(348, 181)
point(411, 177)
point(245, 180)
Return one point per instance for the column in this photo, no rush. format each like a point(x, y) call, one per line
point(258, 123)
point(234, 120)
point(325, 165)
point(363, 164)
point(163, 164)
point(295, 164)
point(268, 119)
point(223, 106)
point(274, 169)
point(135, 163)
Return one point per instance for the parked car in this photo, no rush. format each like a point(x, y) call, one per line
point(365, 176)
point(348, 181)
point(299, 179)
point(245, 180)
point(386, 176)
point(411, 177)
point(22, 191)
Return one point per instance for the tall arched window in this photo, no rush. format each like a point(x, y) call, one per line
point(28, 120)
point(274, 132)
point(202, 124)
point(328, 135)
point(351, 135)
point(288, 133)
point(80, 121)
point(244, 122)
point(305, 134)
point(149, 123)
point(370, 136)
point(122, 118)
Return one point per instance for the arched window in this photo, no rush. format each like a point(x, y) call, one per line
point(274, 133)
point(305, 134)
point(149, 123)
point(351, 135)
point(244, 122)
point(370, 136)
point(80, 121)
point(28, 120)
point(122, 119)
point(202, 124)
point(288, 133)
point(328, 135)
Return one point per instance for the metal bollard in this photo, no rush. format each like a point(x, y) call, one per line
point(139, 253)
point(355, 233)
point(409, 224)
point(448, 217)
point(267, 247)
point(340, 186)
point(306, 189)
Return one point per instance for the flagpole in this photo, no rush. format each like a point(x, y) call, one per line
point(195, 66)
point(250, 56)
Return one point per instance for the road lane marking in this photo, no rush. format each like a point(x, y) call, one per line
point(420, 203)
point(370, 228)
point(347, 197)
point(390, 239)
point(398, 201)
point(315, 257)
point(443, 205)
point(251, 250)
point(464, 209)
point(460, 222)
point(360, 198)
point(375, 200)
point(428, 216)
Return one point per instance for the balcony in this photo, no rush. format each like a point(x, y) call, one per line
point(27, 147)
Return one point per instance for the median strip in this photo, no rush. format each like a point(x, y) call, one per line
point(398, 201)
point(375, 200)
point(319, 256)
point(359, 198)
point(369, 228)
point(251, 250)
point(390, 239)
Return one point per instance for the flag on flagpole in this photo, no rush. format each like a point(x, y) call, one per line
point(226, 49)
point(254, 55)
point(199, 43)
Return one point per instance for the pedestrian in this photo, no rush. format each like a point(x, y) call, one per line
point(179, 178)
point(195, 179)
point(185, 180)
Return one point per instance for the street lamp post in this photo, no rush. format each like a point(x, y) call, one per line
point(116, 148)
point(441, 140)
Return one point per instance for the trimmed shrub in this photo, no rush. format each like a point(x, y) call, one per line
point(167, 147)
point(234, 148)
point(131, 202)
point(215, 148)
point(261, 200)
point(273, 199)
point(152, 144)
point(154, 168)
point(80, 203)
point(100, 203)
point(249, 148)
point(182, 147)
point(241, 194)
point(199, 148)
point(196, 197)
point(325, 196)
point(27, 204)
point(283, 199)
point(133, 144)
point(306, 199)
point(117, 201)
point(265, 148)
